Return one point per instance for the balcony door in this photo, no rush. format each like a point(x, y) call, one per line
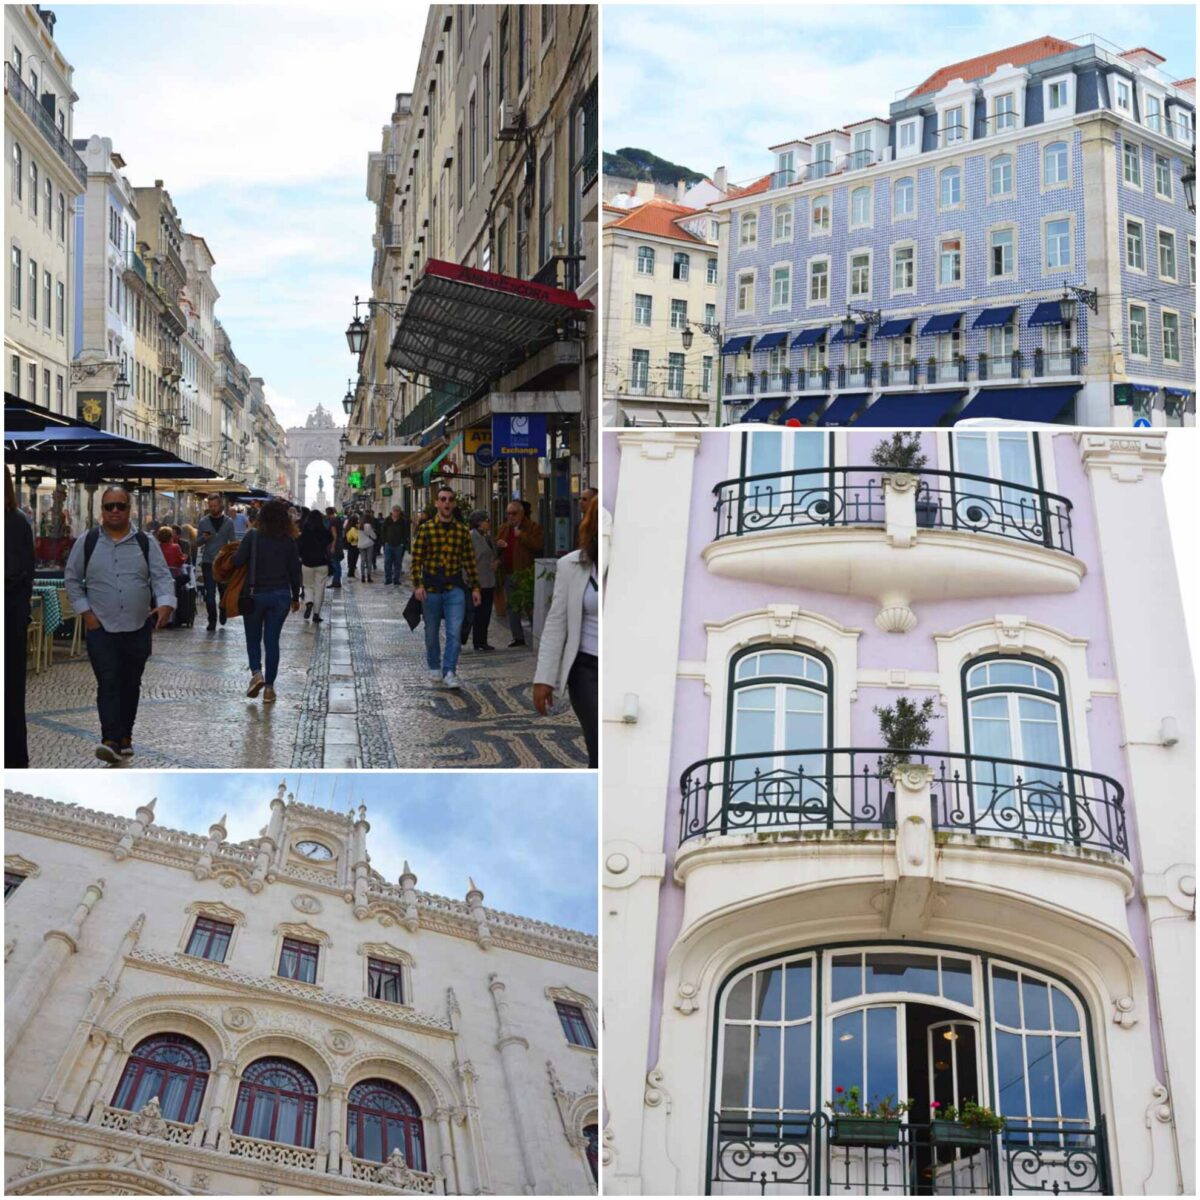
point(999, 458)
point(794, 489)
point(779, 720)
point(1015, 711)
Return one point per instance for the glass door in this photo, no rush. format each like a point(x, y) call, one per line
point(783, 497)
point(999, 458)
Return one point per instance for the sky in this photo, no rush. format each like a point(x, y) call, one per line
point(720, 85)
point(527, 839)
point(259, 121)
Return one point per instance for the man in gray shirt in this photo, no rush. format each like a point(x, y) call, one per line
point(214, 531)
point(120, 584)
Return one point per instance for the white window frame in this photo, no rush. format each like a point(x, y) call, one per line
point(1118, 83)
point(678, 320)
point(1068, 266)
point(644, 387)
point(748, 229)
point(1177, 359)
point(752, 274)
point(992, 194)
point(641, 258)
point(851, 255)
point(914, 147)
point(1047, 185)
point(819, 260)
point(911, 215)
point(1160, 99)
point(1004, 227)
point(711, 270)
point(782, 305)
point(961, 126)
point(1145, 309)
point(1136, 157)
point(1159, 233)
point(1191, 249)
point(961, 282)
point(1067, 108)
point(681, 258)
point(894, 248)
point(820, 230)
point(782, 210)
point(1010, 112)
point(1141, 225)
point(954, 205)
point(637, 309)
point(1169, 194)
point(869, 220)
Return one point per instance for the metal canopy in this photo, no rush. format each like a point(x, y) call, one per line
point(25, 416)
point(469, 326)
point(369, 455)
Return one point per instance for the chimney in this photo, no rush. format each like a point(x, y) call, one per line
point(1143, 58)
point(721, 180)
point(680, 191)
point(47, 16)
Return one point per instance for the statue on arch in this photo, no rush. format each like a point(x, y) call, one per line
point(319, 418)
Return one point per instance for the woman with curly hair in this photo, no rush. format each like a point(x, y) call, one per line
point(269, 553)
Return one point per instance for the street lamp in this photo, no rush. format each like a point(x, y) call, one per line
point(854, 317)
point(714, 331)
point(688, 337)
point(121, 387)
point(1188, 179)
point(356, 334)
point(348, 398)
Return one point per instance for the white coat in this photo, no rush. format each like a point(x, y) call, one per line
point(559, 642)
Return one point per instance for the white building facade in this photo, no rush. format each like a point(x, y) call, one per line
point(1003, 916)
point(187, 1015)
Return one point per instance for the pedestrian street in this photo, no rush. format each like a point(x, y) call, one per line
point(352, 692)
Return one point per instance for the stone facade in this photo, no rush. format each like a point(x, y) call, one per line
point(98, 931)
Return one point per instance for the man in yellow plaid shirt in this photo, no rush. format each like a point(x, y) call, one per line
point(443, 567)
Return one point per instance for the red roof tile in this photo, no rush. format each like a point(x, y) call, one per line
point(1190, 82)
point(759, 185)
point(985, 64)
point(1143, 50)
point(658, 218)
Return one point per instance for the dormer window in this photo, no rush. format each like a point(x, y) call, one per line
point(953, 129)
point(906, 138)
point(822, 162)
point(1153, 113)
point(1005, 113)
point(785, 168)
point(1057, 96)
point(1124, 96)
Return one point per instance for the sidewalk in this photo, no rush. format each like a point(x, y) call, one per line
point(353, 692)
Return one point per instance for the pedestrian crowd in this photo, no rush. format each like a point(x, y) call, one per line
point(259, 563)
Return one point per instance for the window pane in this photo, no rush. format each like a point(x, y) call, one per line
point(882, 1064)
point(797, 1067)
point(1010, 1074)
point(770, 994)
point(738, 1004)
point(1005, 997)
point(1066, 1016)
point(956, 980)
point(1037, 1003)
point(372, 1138)
point(1039, 1064)
point(847, 976)
point(1072, 1087)
point(902, 973)
point(847, 1051)
point(799, 992)
point(264, 1109)
point(766, 1066)
point(735, 1075)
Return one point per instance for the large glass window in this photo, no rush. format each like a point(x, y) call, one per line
point(860, 206)
point(173, 1068)
point(905, 193)
point(1002, 175)
point(645, 260)
point(277, 1102)
point(381, 1117)
point(574, 1024)
point(298, 960)
point(385, 980)
point(950, 187)
point(821, 209)
point(210, 939)
point(1058, 243)
point(1054, 163)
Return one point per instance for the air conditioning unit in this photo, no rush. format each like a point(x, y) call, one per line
point(511, 119)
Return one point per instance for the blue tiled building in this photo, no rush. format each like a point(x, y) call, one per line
point(1014, 240)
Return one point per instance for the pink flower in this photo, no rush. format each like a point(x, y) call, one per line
point(936, 1104)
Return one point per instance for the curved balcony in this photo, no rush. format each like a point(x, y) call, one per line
point(893, 536)
point(811, 790)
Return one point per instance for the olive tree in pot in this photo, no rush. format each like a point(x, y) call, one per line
point(904, 727)
point(901, 454)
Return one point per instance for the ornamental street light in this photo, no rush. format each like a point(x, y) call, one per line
point(855, 317)
point(1188, 179)
point(356, 331)
point(121, 387)
point(348, 398)
point(713, 330)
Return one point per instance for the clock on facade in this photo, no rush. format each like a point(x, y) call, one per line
point(314, 850)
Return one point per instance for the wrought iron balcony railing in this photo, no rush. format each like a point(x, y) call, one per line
point(808, 789)
point(854, 496)
point(135, 264)
point(739, 385)
point(29, 103)
point(561, 271)
point(1057, 362)
point(389, 237)
point(807, 1154)
point(781, 179)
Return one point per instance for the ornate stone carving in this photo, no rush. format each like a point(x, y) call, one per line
point(199, 1181)
point(687, 998)
point(896, 618)
point(1160, 1105)
point(395, 1172)
point(339, 1041)
point(238, 1018)
point(386, 950)
point(217, 910)
point(1123, 1014)
point(149, 1121)
point(304, 932)
point(570, 996)
point(656, 1094)
point(306, 903)
point(21, 865)
point(62, 1151)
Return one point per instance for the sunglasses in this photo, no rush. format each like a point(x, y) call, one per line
point(115, 506)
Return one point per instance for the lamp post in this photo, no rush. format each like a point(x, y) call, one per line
point(1188, 180)
point(713, 330)
point(356, 331)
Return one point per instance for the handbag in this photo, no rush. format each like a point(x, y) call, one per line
point(246, 599)
point(412, 612)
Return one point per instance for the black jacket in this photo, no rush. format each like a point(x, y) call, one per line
point(277, 564)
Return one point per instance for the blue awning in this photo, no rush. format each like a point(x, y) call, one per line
point(735, 345)
point(1022, 403)
point(1047, 313)
point(769, 341)
point(991, 317)
point(942, 323)
point(803, 409)
point(842, 410)
point(910, 410)
point(1144, 389)
point(1182, 393)
point(860, 332)
point(891, 329)
point(810, 337)
point(762, 410)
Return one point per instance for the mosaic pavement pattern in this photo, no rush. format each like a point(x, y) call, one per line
point(353, 692)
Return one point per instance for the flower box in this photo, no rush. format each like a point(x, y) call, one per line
point(955, 1133)
point(865, 1131)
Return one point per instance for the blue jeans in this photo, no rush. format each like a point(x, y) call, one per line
point(450, 606)
point(265, 624)
point(393, 563)
point(335, 570)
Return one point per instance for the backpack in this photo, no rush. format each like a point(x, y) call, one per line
point(89, 546)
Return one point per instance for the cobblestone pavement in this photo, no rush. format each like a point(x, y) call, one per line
point(352, 692)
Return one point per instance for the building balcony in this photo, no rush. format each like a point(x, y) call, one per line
point(29, 103)
point(389, 237)
point(818, 170)
point(782, 179)
point(134, 265)
point(807, 1154)
point(1057, 363)
point(774, 383)
point(812, 790)
point(852, 377)
point(560, 271)
point(948, 370)
point(1007, 367)
point(740, 385)
point(859, 160)
point(897, 538)
point(175, 1133)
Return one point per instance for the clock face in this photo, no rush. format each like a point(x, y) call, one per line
point(314, 850)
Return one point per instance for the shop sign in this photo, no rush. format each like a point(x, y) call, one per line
point(354, 479)
point(519, 435)
point(90, 407)
point(387, 491)
point(475, 438)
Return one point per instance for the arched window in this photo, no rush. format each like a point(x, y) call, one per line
point(820, 213)
point(1002, 175)
point(591, 1140)
point(860, 206)
point(905, 193)
point(779, 719)
point(277, 1102)
point(382, 1117)
point(1054, 163)
point(170, 1066)
point(1016, 711)
point(950, 184)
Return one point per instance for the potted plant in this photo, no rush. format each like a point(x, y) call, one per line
point(972, 1125)
point(902, 454)
point(859, 1122)
point(983, 364)
point(931, 368)
point(904, 727)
